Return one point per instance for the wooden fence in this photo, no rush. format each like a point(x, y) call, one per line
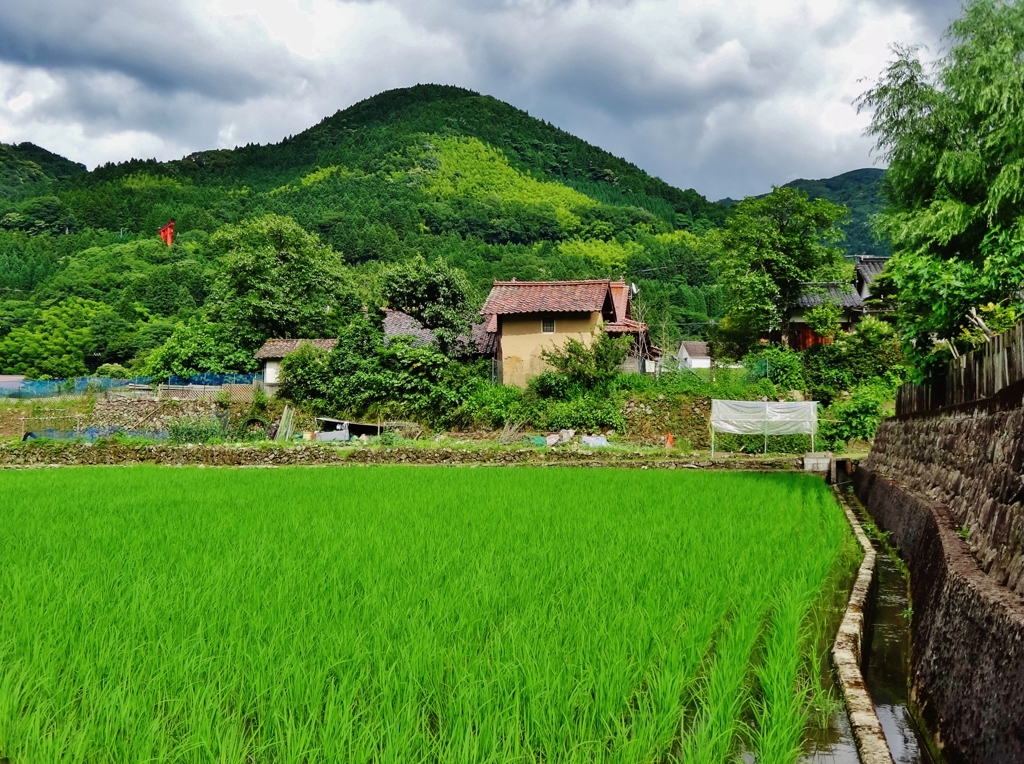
point(972, 377)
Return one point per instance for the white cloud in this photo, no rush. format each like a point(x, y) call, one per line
point(727, 96)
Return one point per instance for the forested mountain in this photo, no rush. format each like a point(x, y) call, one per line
point(27, 168)
point(435, 171)
point(861, 192)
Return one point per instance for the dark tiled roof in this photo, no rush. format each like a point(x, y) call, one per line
point(277, 349)
point(868, 267)
point(485, 342)
point(398, 323)
point(840, 293)
point(546, 297)
point(696, 349)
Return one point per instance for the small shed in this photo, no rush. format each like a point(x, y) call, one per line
point(273, 351)
point(694, 355)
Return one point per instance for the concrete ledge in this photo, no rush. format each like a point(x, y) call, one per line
point(847, 655)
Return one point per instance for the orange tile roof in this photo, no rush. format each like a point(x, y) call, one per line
point(625, 326)
point(620, 297)
point(546, 297)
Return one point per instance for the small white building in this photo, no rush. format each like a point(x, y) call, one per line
point(694, 355)
point(272, 352)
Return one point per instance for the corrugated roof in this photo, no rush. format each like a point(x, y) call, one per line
point(696, 349)
point(546, 297)
point(277, 349)
point(840, 293)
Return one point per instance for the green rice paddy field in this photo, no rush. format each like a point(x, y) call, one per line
point(395, 614)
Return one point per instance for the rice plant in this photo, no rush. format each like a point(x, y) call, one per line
point(395, 614)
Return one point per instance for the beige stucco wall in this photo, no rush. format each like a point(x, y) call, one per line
point(522, 340)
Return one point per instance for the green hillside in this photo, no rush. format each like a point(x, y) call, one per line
point(861, 192)
point(435, 171)
point(27, 168)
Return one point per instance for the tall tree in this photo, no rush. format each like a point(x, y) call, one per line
point(277, 280)
point(770, 246)
point(951, 134)
point(435, 293)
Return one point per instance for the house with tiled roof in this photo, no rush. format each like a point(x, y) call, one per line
point(395, 324)
point(850, 298)
point(272, 352)
point(525, 318)
point(867, 268)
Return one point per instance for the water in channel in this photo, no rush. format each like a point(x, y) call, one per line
point(886, 670)
point(887, 664)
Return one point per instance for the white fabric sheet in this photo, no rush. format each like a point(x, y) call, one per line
point(758, 418)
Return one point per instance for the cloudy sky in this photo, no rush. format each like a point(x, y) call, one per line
point(725, 96)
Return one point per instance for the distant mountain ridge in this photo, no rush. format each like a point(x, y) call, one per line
point(861, 192)
point(26, 165)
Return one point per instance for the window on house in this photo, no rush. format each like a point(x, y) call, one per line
point(548, 326)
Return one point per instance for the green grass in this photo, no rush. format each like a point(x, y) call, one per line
point(396, 614)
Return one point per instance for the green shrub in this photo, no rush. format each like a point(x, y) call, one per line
point(589, 413)
point(551, 384)
point(855, 417)
point(186, 430)
point(494, 406)
point(114, 371)
point(589, 366)
point(779, 365)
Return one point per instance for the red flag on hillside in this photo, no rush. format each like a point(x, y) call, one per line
point(167, 233)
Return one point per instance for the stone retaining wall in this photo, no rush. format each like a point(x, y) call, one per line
point(130, 414)
point(967, 661)
point(40, 454)
point(971, 459)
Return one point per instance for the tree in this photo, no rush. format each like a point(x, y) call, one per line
point(196, 347)
point(435, 293)
point(277, 280)
point(769, 247)
point(363, 375)
point(588, 366)
point(955, 185)
point(55, 343)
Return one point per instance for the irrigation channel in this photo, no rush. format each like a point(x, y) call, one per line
point(886, 668)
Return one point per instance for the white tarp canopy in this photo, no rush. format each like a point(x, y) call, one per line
point(764, 418)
